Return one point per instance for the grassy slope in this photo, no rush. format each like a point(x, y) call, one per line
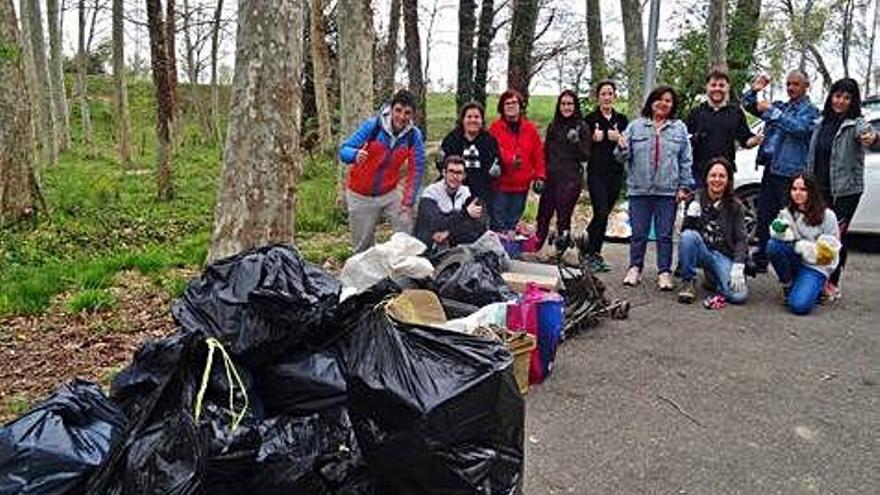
point(104, 219)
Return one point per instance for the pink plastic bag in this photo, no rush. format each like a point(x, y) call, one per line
point(524, 315)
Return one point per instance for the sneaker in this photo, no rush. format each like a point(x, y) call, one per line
point(633, 277)
point(831, 292)
point(714, 302)
point(688, 293)
point(664, 281)
point(597, 264)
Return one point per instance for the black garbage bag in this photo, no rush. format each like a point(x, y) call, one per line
point(434, 411)
point(305, 383)
point(471, 276)
point(55, 447)
point(259, 304)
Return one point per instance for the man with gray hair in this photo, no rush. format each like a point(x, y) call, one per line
point(788, 126)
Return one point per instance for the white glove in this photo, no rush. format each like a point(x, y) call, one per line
point(781, 230)
point(807, 250)
point(738, 277)
point(694, 209)
point(495, 169)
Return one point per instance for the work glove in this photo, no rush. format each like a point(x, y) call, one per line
point(825, 251)
point(495, 169)
point(573, 136)
point(538, 186)
point(807, 250)
point(781, 230)
point(738, 277)
point(693, 210)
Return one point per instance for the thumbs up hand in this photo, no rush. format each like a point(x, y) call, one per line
point(613, 133)
point(598, 134)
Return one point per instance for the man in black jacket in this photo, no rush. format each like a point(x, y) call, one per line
point(717, 124)
point(448, 214)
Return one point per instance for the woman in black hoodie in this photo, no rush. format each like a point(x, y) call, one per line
point(566, 146)
point(471, 141)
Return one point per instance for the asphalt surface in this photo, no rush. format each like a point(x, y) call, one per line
point(748, 399)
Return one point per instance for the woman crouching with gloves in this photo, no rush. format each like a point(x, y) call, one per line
point(804, 245)
point(566, 146)
point(714, 238)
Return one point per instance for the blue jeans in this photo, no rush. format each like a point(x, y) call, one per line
point(806, 283)
point(507, 209)
point(771, 199)
point(642, 209)
point(693, 252)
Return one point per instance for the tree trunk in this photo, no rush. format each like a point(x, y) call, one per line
point(596, 43)
point(522, 35)
point(414, 61)
point(355, 71)
point(870, 69)
point(717, 34)
point(123, 120)
point(17, 184)
point(30, 77)
point(635, 52)
point(320, 64)
point(257, 198)
point(651, 50)
point(485, 35)
point(171, 48)
point(743, 39)
point(192, 73)
point(81, 88)
point(846, 36)
point(164, 99)
point(57, 74)
point(821, 66)
point(389, 52)
point(215, 90)
point(467, 22)
point(47, 132)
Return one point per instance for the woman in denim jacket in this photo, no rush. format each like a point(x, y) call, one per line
point(837, 160)
point(656, 154)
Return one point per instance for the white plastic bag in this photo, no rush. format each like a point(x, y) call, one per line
point(399, 257)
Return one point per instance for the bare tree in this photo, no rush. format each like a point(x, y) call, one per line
point(486, 31)
point(81, 89)
point(17, 180)
point(171, 56)
point(30, 76)
point(47, 131)
point(123, 119)
point(717, 34)
point(635, 51)
point(215, 49)
point(414, 60)
point(320, 69)
point(56, 73)
point(428, 28)
point(257, 199)
point(164, 99)
point(849, 7)
point(467, 23)
point(389, 52)
point(598, 69)
point(871, 42)
point(524, 19)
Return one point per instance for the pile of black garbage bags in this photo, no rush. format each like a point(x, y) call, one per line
point(272, 385)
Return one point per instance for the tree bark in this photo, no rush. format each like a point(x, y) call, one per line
point(164, 99)
point(123, 119)
point(171, 48)
point(485, 35)
point(522, 35)
point(595, 42)
point(846, 36)
point(59, 97)
point(635, 52)
point(257, 198)
point(870, 69)
point(742, 41)
point(389, 52)
point(47, 132)
point(30, 77)
point(320, 64)
point(17, 186)
point(414, 61)
point(355, 71)
point(717, 34)
point(81, 87)
point(821, 66)
point(215, 90)
point(467, 22)
point(192, 72)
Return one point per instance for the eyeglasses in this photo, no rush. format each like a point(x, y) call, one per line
point(455, 172)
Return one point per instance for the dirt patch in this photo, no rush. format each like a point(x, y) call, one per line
point(39, 353)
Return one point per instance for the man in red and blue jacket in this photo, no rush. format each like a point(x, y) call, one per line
point(376, 152)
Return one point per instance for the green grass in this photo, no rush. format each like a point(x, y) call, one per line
point(92, 300)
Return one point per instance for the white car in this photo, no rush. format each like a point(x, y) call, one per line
point(867, 217)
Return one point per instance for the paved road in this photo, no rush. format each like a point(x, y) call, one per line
point(749, 399)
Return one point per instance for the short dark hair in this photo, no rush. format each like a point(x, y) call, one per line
point(655, 95)
point(404, 97)
point(603, 83)
point(845, 85)
point(452, 159)
point(510, 93)
point(717, 74)
point(470, 106)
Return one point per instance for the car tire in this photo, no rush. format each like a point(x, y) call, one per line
point(749, 197)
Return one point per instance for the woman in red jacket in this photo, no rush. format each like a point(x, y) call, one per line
point(522, 162)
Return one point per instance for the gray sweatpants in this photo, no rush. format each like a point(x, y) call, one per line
point(364, 213)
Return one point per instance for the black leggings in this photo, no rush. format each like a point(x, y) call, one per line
point(604, 189)
point(844, 208)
